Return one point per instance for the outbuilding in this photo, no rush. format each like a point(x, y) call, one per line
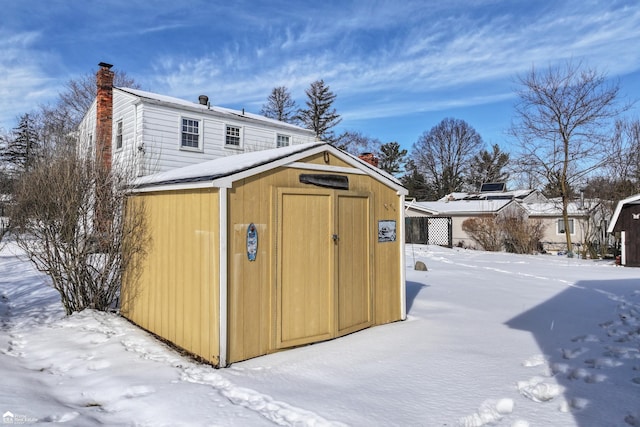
point(626, 221)
point(268, 250)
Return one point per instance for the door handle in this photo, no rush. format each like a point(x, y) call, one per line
point(335, 238)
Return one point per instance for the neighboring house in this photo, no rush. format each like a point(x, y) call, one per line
point(148, 133)
point(584, 216)
point(625, 222)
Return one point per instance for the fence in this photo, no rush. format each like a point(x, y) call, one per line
point(431, 230)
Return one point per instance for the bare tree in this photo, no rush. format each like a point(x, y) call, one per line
point(63, 117)
point(280, 105)
point(562, 121)
point(53, 218)
point(444, 154)
point(320, 116)
point(357, 143)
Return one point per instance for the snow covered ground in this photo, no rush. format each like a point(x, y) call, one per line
point(491, 339)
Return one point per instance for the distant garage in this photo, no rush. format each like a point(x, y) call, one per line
point(263, 251)
point(626, 222)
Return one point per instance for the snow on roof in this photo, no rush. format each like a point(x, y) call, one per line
point(231, 165)
point(463, 206)
point(205, 108)
point(512, 194)
point(221, 167)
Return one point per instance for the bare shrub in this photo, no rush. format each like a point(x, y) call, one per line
point(484, 231)
point(521, 235)
point(84, 246)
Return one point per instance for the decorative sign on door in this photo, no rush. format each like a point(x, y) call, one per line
point(252, 242)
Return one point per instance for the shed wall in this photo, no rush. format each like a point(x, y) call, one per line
point(177, 294)
point(631, 227)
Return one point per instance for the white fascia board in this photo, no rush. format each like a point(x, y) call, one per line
point(173, 187)
point(230, 179)
point(619, 206)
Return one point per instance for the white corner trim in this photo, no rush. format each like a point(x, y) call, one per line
point(403, 262)
point(223, 277)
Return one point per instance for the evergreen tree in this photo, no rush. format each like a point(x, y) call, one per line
point(391, 157)
point(416, 184)
point(320, 116)
point(22, 148)
point(280, 105)
point(488, 167)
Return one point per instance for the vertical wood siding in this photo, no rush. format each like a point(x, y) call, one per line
point(253, 296)
point(177, 295)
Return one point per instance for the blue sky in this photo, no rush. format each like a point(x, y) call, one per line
point(397, 67)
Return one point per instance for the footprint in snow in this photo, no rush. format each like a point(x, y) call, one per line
point(586, 338)
point(535, 360)
point(574, 405)
point(602, 362)
point(489, 412)
point(573, 353)
point(537, 390)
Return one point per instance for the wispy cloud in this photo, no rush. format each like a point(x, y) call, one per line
point(24, 83)
point(457, 50)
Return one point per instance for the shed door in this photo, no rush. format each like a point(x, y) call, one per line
point(305, 286)
point(323, 266)
point(354, 283)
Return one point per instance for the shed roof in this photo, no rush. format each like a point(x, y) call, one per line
point(208, 109)
point(633, 200)
point(222, 172)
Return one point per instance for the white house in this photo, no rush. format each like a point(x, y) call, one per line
point(151, 133)
point(583, 225)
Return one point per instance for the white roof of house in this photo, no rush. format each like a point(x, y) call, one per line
point(222, 172)
point(482, 206)
point(633, 200)
point(460, 206)
point(513, 194)
point(164, 99)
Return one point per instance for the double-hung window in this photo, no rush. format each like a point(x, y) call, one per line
point(190, 134)
point(283, 141)
point(233, 136)
point(118, 134)
point(562, 228)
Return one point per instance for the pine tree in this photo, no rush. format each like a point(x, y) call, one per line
point(488, 167)
point(320, 116)
point(391, 157)
point(280, 105)
point(416, 184)
point(23, 147)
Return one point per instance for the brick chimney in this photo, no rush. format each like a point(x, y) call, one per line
point(369, 158)
point(104, 114)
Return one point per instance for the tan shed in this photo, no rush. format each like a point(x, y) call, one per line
point(263, 251)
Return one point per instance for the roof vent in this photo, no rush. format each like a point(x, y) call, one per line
point(203, 99)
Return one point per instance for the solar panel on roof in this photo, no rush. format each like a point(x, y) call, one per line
point(492, 186)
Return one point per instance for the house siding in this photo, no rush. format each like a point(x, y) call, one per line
point(152, 134)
